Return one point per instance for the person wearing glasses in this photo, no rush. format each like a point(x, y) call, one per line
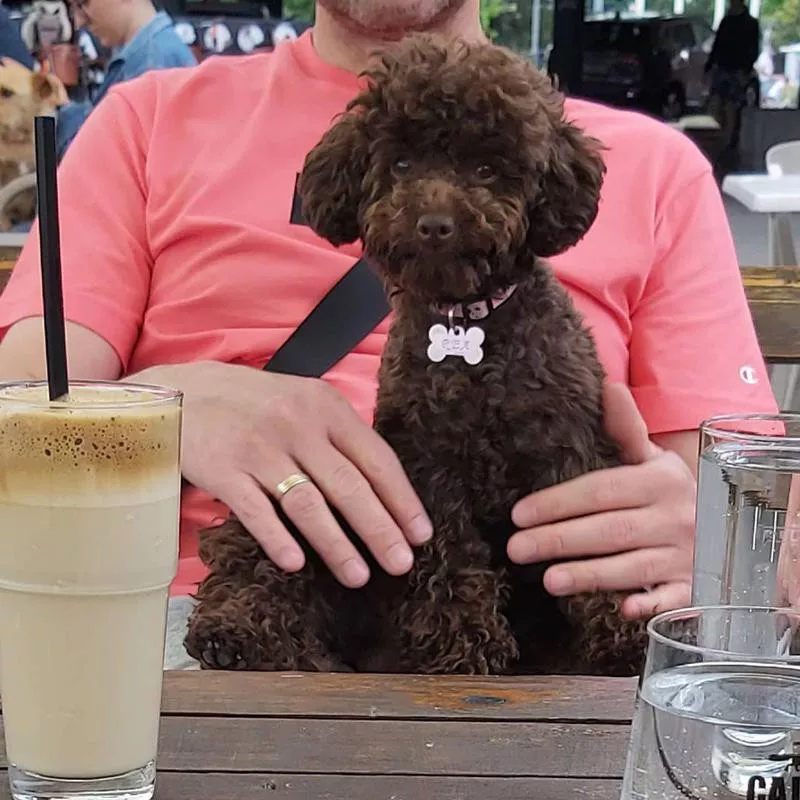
point(141, 39)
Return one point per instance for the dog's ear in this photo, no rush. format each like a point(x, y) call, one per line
point(48, 89)
point(331, 183)
point(566, 199)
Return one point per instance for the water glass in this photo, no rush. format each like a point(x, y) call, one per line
point(747, 544)
point(717, 713)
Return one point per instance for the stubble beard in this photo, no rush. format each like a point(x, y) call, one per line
point(390, 19)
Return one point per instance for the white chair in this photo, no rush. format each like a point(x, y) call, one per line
point(783, 159)
point(15, 187)
point(7, 193)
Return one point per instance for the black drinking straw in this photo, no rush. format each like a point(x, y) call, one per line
point(50, 250)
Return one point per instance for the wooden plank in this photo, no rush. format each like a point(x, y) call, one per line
point(399, 747)
point(216, 786)
point(361, 696)
point(9, 253)
point(201, 786)
point(5, 273)
point(773, 294)
point(488, 749)
point(759, 278)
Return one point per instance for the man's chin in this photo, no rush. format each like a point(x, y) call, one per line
point(388, 26)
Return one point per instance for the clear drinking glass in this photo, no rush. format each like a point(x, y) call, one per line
point(747, 544)
point(716, 721)
point(89, 505)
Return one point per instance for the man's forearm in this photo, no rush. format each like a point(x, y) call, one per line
point(89, 356)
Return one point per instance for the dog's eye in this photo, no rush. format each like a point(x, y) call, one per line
point(6, 92)
point(402, 165)
point(484, 172)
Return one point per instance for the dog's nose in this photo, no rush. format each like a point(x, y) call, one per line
point(436, 227)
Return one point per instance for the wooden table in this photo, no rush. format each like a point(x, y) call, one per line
point(248, 736)
point(774, 297)
point(7, 261)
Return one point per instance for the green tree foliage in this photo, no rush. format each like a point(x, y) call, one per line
point(300, 9)
point(782, 18)
point(511, 25)
point(491, 10)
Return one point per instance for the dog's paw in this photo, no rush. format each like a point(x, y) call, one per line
point(498, 655)
point(604, 642)
point(217, 647)
point(221, 654)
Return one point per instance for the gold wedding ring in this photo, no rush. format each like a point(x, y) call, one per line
point(284, 487)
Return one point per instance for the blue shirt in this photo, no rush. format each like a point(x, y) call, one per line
point(155, 46)
point(11, 44)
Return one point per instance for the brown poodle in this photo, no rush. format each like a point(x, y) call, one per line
point(457, 169)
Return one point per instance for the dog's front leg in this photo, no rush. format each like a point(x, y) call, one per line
point(451, 618)
point(250, 615)
point(605, 643)
point(274, 622)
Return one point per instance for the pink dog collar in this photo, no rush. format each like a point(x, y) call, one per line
point(480, 309)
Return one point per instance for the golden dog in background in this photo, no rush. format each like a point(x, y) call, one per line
point(23, 95)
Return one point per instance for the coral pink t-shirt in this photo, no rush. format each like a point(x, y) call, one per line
point(178, 246)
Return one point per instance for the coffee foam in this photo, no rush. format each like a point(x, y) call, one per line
point(92, 443)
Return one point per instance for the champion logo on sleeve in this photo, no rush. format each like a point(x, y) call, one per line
point(748, 375)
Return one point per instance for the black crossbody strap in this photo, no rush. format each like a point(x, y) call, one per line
point(348, 313)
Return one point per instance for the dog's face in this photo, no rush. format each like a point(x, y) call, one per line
point(23, 96)
point(456, 167)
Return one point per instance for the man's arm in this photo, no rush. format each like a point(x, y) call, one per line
point(90, 357)
point(693, 354)
point(244, 430)
point(685, 443)
point(105, 255)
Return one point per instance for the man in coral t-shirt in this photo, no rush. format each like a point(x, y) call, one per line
point(182, 266)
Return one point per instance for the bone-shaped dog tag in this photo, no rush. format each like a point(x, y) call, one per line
point(456, 341)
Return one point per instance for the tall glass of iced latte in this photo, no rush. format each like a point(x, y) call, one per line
point(89, 505)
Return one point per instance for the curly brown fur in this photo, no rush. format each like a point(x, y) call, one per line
point(474, 136)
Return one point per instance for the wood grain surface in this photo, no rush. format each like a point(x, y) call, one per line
point(375, 697)
point(239, 736)
point(774, 298)
point(5, 272)
point(215, 786)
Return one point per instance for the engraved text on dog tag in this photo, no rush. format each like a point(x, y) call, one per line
point(455, 341)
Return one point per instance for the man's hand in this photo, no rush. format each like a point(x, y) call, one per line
point(632, 526)
point(245, 431)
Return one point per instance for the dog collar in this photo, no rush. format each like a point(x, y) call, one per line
point(479, 309)
point(463, 341)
